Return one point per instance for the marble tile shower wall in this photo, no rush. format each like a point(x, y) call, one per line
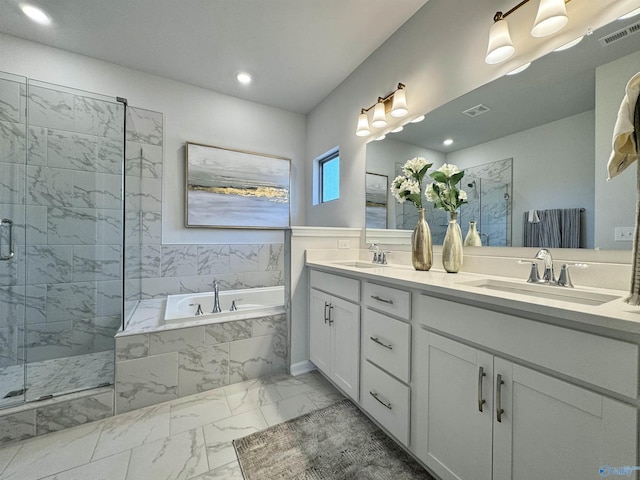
point(155, 270)
point(64, 184)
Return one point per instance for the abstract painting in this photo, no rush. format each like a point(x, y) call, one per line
point(376, 200)
point(228, 188)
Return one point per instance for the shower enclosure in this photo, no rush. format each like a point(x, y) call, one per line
point(61, 238)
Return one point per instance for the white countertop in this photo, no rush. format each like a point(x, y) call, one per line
point(614, 318)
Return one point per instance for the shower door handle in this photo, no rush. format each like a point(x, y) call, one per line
point(3, 222)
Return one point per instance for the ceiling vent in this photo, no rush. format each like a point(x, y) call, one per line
point(476, 111)
point(620, 34)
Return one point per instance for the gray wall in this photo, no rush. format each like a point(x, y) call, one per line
point(616, 199)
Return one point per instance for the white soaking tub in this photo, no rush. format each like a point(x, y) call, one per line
point(251, 303)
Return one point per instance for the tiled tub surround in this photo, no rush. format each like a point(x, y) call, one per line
point(156, 362)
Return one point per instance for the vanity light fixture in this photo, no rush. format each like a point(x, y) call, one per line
point(570, 44)
point(398, 129)
point(521, 68)
point(36, 14)
point(551, 17)
point(395, 104)
point(632, 13)
point(381, 137)
point(418, 119)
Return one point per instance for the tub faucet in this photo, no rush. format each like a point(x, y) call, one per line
point(548, 276)
point(216, 298)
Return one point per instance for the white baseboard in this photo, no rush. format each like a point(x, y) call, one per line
point(301, 367)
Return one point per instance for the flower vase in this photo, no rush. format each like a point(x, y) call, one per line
point(421, 247)
point(473, 237)
point(452, 246)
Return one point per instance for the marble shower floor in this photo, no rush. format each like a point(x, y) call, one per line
point(57, 376)
point(188, 438)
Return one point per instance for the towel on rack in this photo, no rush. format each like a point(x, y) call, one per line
point(624, 148)
point(557, 228)
point(533, 216)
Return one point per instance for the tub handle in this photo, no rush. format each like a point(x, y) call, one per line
point(199, 309)
point(234, 307)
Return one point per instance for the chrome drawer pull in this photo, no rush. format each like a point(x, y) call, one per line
point(499, 410)
point(376, 297)
point(481, 401)
point(377, 340)
point(375, 395)
point(326, 316)
point(330, 320)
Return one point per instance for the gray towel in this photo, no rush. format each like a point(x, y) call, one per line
point(557, 228)
point(634, 297)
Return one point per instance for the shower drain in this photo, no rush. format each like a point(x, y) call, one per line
point(15, 393)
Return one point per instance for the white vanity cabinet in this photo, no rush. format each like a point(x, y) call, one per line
point(334, 329)
point(484, 415)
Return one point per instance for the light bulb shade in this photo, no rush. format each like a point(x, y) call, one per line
point(379, 116)
point(399, 106)
point(500, 45)
point(363, 126)
point(551, 17)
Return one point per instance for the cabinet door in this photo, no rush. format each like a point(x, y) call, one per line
point(345, 345)
point(553, 429)
point(319, 331)
point(455, 429)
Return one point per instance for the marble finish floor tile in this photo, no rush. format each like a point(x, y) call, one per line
point(109, 468)
point(287, 409)
point(187, 438)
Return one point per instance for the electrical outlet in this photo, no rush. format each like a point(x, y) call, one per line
point(343, 243)
point(624, 234)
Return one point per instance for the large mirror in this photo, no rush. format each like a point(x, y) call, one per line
point(527, 143)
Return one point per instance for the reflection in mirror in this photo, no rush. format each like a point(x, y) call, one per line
point(544, 120)
point(376, 200)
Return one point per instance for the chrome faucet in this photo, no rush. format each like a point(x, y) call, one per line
point(379, 256)
point(548, 276)
point(216, 298)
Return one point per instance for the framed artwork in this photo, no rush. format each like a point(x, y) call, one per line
point(228, 188)
point(376, 191)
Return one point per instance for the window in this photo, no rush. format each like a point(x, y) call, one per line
point(329, 176)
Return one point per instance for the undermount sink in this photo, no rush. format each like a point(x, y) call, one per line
point(358, 264)
point(544, 291)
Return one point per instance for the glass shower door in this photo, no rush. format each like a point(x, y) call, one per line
point(13, 135)
point(74, 245)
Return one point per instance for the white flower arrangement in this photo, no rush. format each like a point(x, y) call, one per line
point(443, 192)
point(409, 186)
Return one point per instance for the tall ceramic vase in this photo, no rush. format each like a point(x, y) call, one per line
point(452, 246)
point(421, 247)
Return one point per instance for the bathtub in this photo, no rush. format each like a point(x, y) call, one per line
point(251, 303)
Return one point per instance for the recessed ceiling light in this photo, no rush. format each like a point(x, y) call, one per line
point(418, 119)
point(632, 13)
point(448, 142)
point(521, 68)
point(396, 130)
point(567, 46)
point(244, 78)
point(36, 14)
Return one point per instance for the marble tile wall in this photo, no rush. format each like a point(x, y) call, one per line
point(158, 366)
point(59, 296)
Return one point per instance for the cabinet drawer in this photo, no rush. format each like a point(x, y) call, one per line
point(387, 299)
point(347, 288)
point(386, 343)
point(387, 400)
